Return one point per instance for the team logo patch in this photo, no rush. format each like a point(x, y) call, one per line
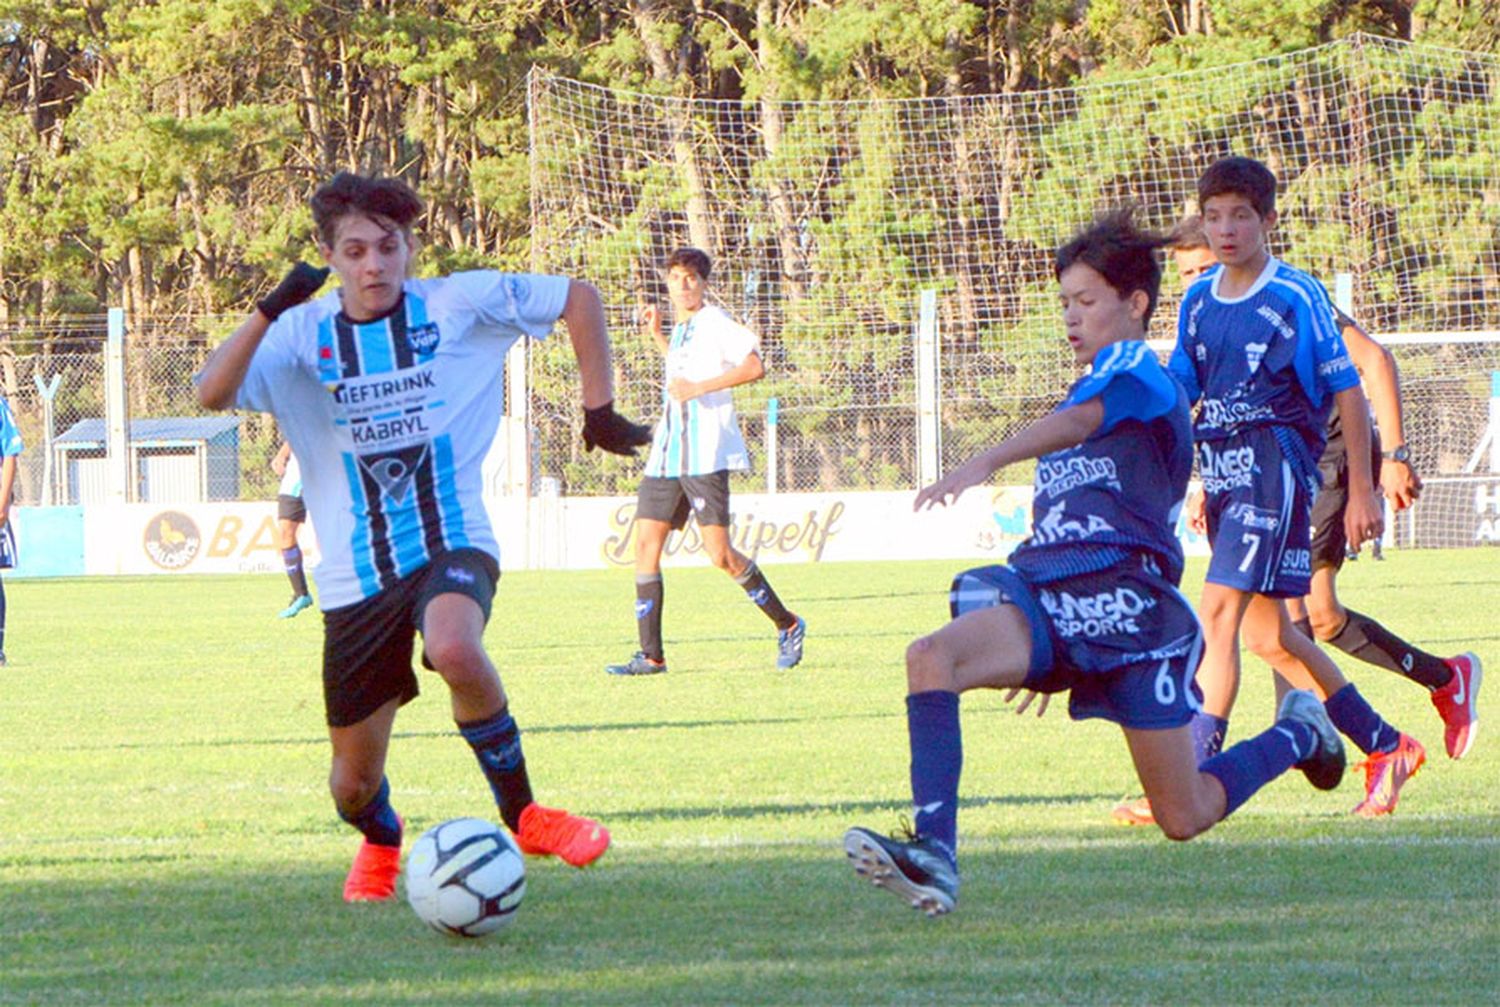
point(643, 607)
point(395, 473)
point(458, 575)
point(172, 540)
point(423, 338)
point(699, 503)
point(1254, 354)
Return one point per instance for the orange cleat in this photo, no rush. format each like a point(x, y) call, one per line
point(1455, 704)
point(1386, 773)
point(548, 832)
point(1133, 811)
point(372, 876)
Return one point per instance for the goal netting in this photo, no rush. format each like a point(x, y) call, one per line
point(828, 220)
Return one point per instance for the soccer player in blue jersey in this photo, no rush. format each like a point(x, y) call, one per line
point(1259, 347)
point(291, 513)
point(696, 445)
point(10, 450)
point(389, 391)
point(1089, 602)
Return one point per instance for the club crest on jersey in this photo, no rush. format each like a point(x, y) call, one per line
point(423, 339)
point(395, 473)
point(1254, 354)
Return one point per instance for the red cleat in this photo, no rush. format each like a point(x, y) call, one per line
point(1455, 703)
point(372, 876)
point(548, 832)
point(1386, 773)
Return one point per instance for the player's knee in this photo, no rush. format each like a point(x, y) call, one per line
point(1265, 643)
point(352, 787)
point(454, 657)
point(928, 665)
point(1326, 622)
point(1179, 824)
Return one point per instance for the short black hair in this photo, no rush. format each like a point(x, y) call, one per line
point(1239, 176)
point(691, 258)
point(1121, 252)
point(1188, 234)
point(380, 198)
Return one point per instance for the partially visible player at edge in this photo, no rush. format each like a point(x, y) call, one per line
point(1089, 602)
point(10, 451)
point(1257, 344)
point(1453, 682)
point(697, 444)
point(291, 514)
point(389, 391)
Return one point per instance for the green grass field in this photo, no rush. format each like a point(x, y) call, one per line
point(166, 835)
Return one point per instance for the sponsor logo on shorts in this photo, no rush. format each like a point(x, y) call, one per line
point(698, 504)
point(1253, 517)
point(1056, 476)
point(1296, 561)
point(172, 540)
point(423, 338)
point(1226, 470)
point(1108, 613)
point(458, 575)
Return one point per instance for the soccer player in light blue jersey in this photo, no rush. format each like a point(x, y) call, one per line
point(10, 450)
point(1259, 347)
point(696, 445)
point(1089, 602)
point(389, 390)
point(291, 513)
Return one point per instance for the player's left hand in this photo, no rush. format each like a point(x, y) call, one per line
point(1362, 519)
point(606, 429)
point(949, 488)
point(682, 390)
point(1027, 699)
point(1400, 483)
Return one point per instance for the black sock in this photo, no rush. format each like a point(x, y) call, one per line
point(648, 600)
point(292, 558)
point(497, 745)
point(760, 591)
point(1372, 643)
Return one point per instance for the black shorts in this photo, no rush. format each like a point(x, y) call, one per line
point(1329, 543)
point(673, 499)
point(289, 508)
point(367, 646)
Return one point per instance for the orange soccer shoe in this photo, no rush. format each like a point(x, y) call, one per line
point(372, 876)
point(548, 832)
point(1386, 773)
point(1133, 811)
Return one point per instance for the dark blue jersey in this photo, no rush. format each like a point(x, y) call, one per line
point(1118, 493)
point(1272, 357)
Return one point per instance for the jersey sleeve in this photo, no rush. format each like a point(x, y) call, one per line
point(1316, 317)
point(1130, 384)
point(1180, 363)
point(525, 302)
point(10, 434)
point(270, 368)
point(736, 342)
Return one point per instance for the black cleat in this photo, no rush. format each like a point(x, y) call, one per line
point(918, 871)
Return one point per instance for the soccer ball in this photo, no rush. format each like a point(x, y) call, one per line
point(465, 877)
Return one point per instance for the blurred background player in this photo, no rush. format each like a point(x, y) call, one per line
point(696, 445)
point(290, 513)
point(389, 389)
point(1258, 346)
point(1089, 602)
point(10, 450)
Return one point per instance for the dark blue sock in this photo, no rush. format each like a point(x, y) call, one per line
point(377, 819)
point(1253, 763)
point(291, 559)
point(2, 617)
point(1359, 722)
point(937, 759)
point(1208, 735)
point(497, 745)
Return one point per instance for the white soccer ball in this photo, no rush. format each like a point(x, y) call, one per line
point(465, 877)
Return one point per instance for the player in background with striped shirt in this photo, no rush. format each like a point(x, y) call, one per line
point(696, 445)
point(389, 390)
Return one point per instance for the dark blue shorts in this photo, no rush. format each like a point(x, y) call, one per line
point(1123, 641)
point(1259, 503)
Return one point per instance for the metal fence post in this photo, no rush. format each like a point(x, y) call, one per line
point(116, 422)
point(929, 429)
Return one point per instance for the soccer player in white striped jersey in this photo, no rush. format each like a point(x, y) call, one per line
point(696, 445)
point(389, 390)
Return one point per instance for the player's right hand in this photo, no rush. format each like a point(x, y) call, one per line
point(300, 283)
point(1400, 484)
point(650, 316)
point(604, 428)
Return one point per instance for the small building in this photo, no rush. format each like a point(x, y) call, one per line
point(175, 459)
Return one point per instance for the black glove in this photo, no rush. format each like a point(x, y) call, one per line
point(300, 283)
point(607, 429)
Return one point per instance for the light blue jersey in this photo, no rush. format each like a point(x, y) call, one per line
point(391, 419)
point(702, 435)
point(10, 434)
